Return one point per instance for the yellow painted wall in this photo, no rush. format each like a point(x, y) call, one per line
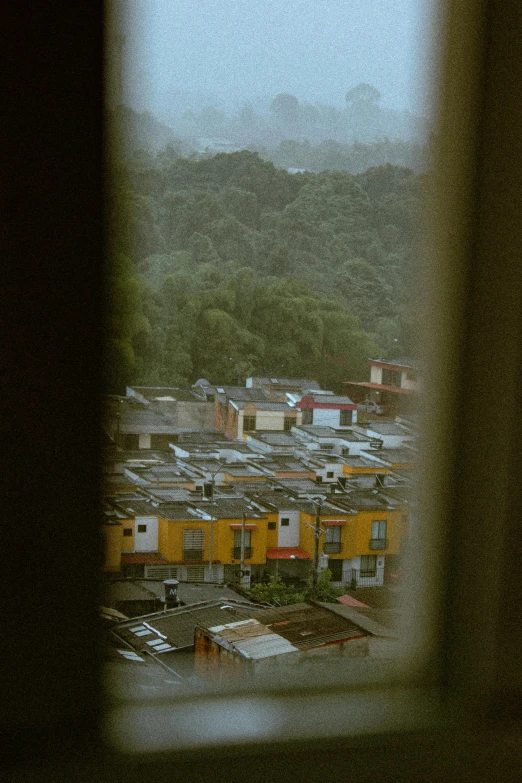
point(307, 538)
point(271, 535)
point(349, 470)
point(127, 542)
point(112, 547)
point(356, 534)
point(364, 532)
point(225, 540)
point(170, 539)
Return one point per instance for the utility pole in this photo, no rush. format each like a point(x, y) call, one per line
point(242, 551)
point(212, 516)
point(210, 537)
point(317, 534)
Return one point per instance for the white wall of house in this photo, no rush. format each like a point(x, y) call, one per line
point(388, 441)
point(355, 563)
point(331, 417)
point(288, 535)
point(270, 420)
point(406, 383)
point(375, 374)
point(336, 469)
point(355, 447)
point(326, 417)
point(147, 541)
point(144, 441)
point(218, 574)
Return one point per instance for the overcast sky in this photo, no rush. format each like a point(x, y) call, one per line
point(237, 50)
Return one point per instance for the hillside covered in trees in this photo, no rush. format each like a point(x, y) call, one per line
point(224, 265)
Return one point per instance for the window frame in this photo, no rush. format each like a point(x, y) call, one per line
point(251, 422)
point(479, 204)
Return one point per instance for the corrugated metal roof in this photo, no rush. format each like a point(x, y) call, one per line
point(264, 646)
point(178, 625)
point(309, 625)
point(179, 512)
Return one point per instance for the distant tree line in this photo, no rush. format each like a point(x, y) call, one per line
point(362, 119)
point(226, 265)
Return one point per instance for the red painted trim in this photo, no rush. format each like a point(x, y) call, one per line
point(334, 522)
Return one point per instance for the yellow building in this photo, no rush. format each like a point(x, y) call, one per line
point(358, 531)
point(111, 534)
point(192, 536)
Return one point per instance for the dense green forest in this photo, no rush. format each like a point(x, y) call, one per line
point(224, 265)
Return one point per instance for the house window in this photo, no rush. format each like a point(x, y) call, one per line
point(345, 419)
point(127, 531)
point(379, 529)
point(193, 543)
point(378, 539)
point(332, 540)
point(272, 525)
point(285, 521)
point(289, 423)
point(368, 565)
point(236, 554)
point(249, 423)
point(308, 416)
point(329, 474)
point(195, 573)
point(142, 528)
point(391, 378)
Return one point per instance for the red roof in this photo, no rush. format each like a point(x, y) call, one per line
point(287, 552)
point(381, 387)
point(348, 600)
point(142, 558)
point(334, 522)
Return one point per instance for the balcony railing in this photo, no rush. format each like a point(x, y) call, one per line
point(193, 555)
point(378, 543)
point(236, 552)
point(366, 577)
point(332, 547)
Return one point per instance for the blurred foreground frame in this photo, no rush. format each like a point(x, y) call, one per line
point(52, 386)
